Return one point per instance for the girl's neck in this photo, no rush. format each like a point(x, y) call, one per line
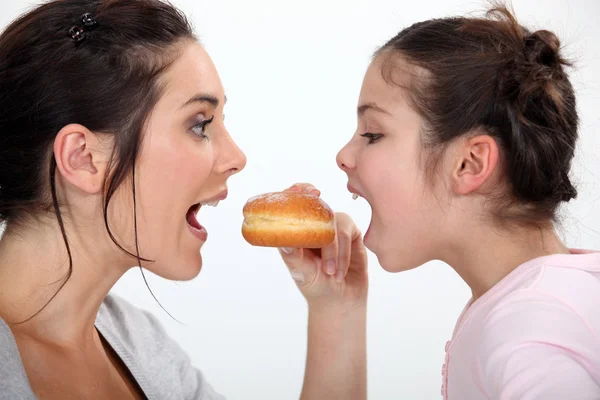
point(483, 256)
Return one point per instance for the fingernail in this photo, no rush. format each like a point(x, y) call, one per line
point(310, 188)
point(298, 276)
point(287, 250)
point(330, 267)
point(339, 276)
point(295, 188)
point(315, 192)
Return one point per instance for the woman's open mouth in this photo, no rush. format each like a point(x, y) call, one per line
point(191, 217)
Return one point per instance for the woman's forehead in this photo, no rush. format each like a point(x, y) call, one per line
point(191, 74)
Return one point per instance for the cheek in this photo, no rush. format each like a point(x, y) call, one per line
point(393, 183)
point(400, 203)
point(406, 223)
point(169, 182)
point(175, 166)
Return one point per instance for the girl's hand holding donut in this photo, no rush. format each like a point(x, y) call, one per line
point(322, 249)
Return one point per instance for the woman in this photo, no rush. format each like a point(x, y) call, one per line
point(111, 141)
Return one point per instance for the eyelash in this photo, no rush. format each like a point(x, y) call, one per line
point(373, 137)
point(202, 127)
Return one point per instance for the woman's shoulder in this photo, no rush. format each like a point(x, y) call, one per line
point(120, 317)
point(153, 356)
point(13, 379)
point(135, 331)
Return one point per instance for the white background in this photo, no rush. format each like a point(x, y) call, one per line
point(292, 72)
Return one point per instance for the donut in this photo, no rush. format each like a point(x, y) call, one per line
point(288, 219)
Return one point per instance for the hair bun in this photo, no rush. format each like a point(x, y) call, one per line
point(541, 47)
point(566, 190)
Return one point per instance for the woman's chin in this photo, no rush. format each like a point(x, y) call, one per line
point(182, 270)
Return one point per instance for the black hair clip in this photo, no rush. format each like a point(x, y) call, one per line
point(88, 20)
point(77, 33)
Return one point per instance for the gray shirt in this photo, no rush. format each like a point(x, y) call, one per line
point(158, 364)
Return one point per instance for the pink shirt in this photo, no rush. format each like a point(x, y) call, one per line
point(534, 336)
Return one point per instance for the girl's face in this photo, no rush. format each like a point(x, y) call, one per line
point(384, 164)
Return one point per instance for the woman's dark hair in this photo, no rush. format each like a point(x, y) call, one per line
point(108, 82)
point(494, 75)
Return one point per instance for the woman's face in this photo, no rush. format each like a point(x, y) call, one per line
point(185, 159)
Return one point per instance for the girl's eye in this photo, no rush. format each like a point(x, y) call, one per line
point(373, 137)
point(200, 128)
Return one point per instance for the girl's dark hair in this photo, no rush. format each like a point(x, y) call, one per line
point(108, 82)
point(494, 75)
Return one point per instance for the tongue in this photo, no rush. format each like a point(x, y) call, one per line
point(191, 217)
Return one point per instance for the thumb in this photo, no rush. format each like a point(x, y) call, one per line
point(303, 264)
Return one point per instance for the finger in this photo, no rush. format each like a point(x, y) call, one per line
point(358, 250)
point(329, 255)
point(358, 256)
point(304, 188)
point(302, 264)
point(344, 240)
point(293, 188)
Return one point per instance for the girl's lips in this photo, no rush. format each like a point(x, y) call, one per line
point(353, 190)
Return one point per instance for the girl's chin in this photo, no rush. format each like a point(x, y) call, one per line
point(368, 238)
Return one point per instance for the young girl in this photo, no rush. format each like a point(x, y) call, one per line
point(467, 128)
point(111, 140)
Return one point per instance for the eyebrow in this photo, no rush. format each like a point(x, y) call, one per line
point(203, 98)
point(370, 106)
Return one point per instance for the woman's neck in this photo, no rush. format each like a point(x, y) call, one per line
point(35, 275)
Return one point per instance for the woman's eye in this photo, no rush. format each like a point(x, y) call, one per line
point(373, 137)
point(200, 128)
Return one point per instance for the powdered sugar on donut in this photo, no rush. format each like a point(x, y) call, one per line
point(273, 197)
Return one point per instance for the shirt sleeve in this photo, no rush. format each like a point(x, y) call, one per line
point(535, 347)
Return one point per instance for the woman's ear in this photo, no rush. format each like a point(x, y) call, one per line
point(80, 158)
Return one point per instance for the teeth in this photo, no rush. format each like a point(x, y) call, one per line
point(354, 196)
point(212, 203)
